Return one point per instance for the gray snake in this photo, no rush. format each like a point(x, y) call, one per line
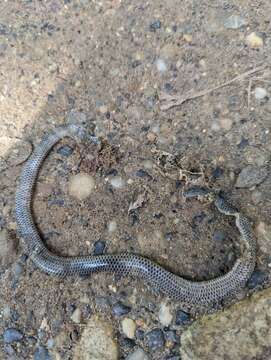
point(192, 293)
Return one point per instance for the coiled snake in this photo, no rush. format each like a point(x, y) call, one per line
point(192, 293)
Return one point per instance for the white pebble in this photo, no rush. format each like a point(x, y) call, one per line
point(165, 316)
point(81, 186)
point(76, 316)
point(161, 65)
point(128, 328)
point(112, 226)
point(117, 182)
point(138, 354)
point(260, 93)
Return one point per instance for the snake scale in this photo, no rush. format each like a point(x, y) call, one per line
point(192, 293)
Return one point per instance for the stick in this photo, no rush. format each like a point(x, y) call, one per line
point(172, 101)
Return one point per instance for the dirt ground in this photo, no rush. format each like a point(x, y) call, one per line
point(111, 64)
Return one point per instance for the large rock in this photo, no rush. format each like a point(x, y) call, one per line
point(97, 342)
point(242, 332)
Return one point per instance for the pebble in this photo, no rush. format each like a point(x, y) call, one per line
point(11, 335)
point(225, 123)
point(128, 327)
point(254, 40)
point(75, 116)
point(256, 156)
point(65, 150)
point(76, 316)
point(218, 235)
point(257, 278)
point(257, 196)
point(260, 93)
point(251, 176)
point(174, 357)
point(155, 25)
point(142, 173)
point(234, 22)
point(99, 247)
point(138, 354)
point(112, 226)
point(41, 353)
point(217, 172)
point(81, 186)
point(161, 65)
point(120, 309)
point(182, 318)
point(151, 137)
point(165, 316)
point(117, 182)
point(155, 339)
point(171, 335)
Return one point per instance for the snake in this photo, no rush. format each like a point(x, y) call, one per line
point(204, 293)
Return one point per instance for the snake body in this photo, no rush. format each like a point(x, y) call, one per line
point(192, 293)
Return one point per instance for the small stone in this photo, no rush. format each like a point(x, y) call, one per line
point(11, 335)
point(256, 156)
point(172, 337)
point(117, 182)
point(257, 279)
point(254, 40)
point(182, 318)
point(112, 226)
point(155, 339)
point(218, 235)
point(251, 176)
point(257, 196)
point(75, 116)
point(41, 353)
point(97, 342)
point(155, 25)
point(260, 93)
point(142, 173)
point(151, 137)
point(81, 186)
point(138, 354)
point(161, 65)
point(128, 328)
point(188, 38)
point(99, 247)
point(165, 316)
point(76, 316)
point(225, 123)
point(174, 357)
point(234, 22)
point(65, 150)
point(119, 309)
point(217, 172)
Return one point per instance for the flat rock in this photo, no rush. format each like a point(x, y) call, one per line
point(250, 176)
point(97, 342)
point(240, 332)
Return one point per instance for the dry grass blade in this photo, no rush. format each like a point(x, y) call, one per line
point(172, 101)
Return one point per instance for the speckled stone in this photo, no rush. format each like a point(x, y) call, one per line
point(11, 335)
point(155, 339)
point(251, 176)
point(228, 334)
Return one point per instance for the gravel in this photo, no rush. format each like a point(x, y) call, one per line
point(11, 335)
point(155, 339)
point(41, 353)
point(99, 247)
point(119, 309)
point(182, 318)
point(257, 279)
point(138, 354)
point(65, 150)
